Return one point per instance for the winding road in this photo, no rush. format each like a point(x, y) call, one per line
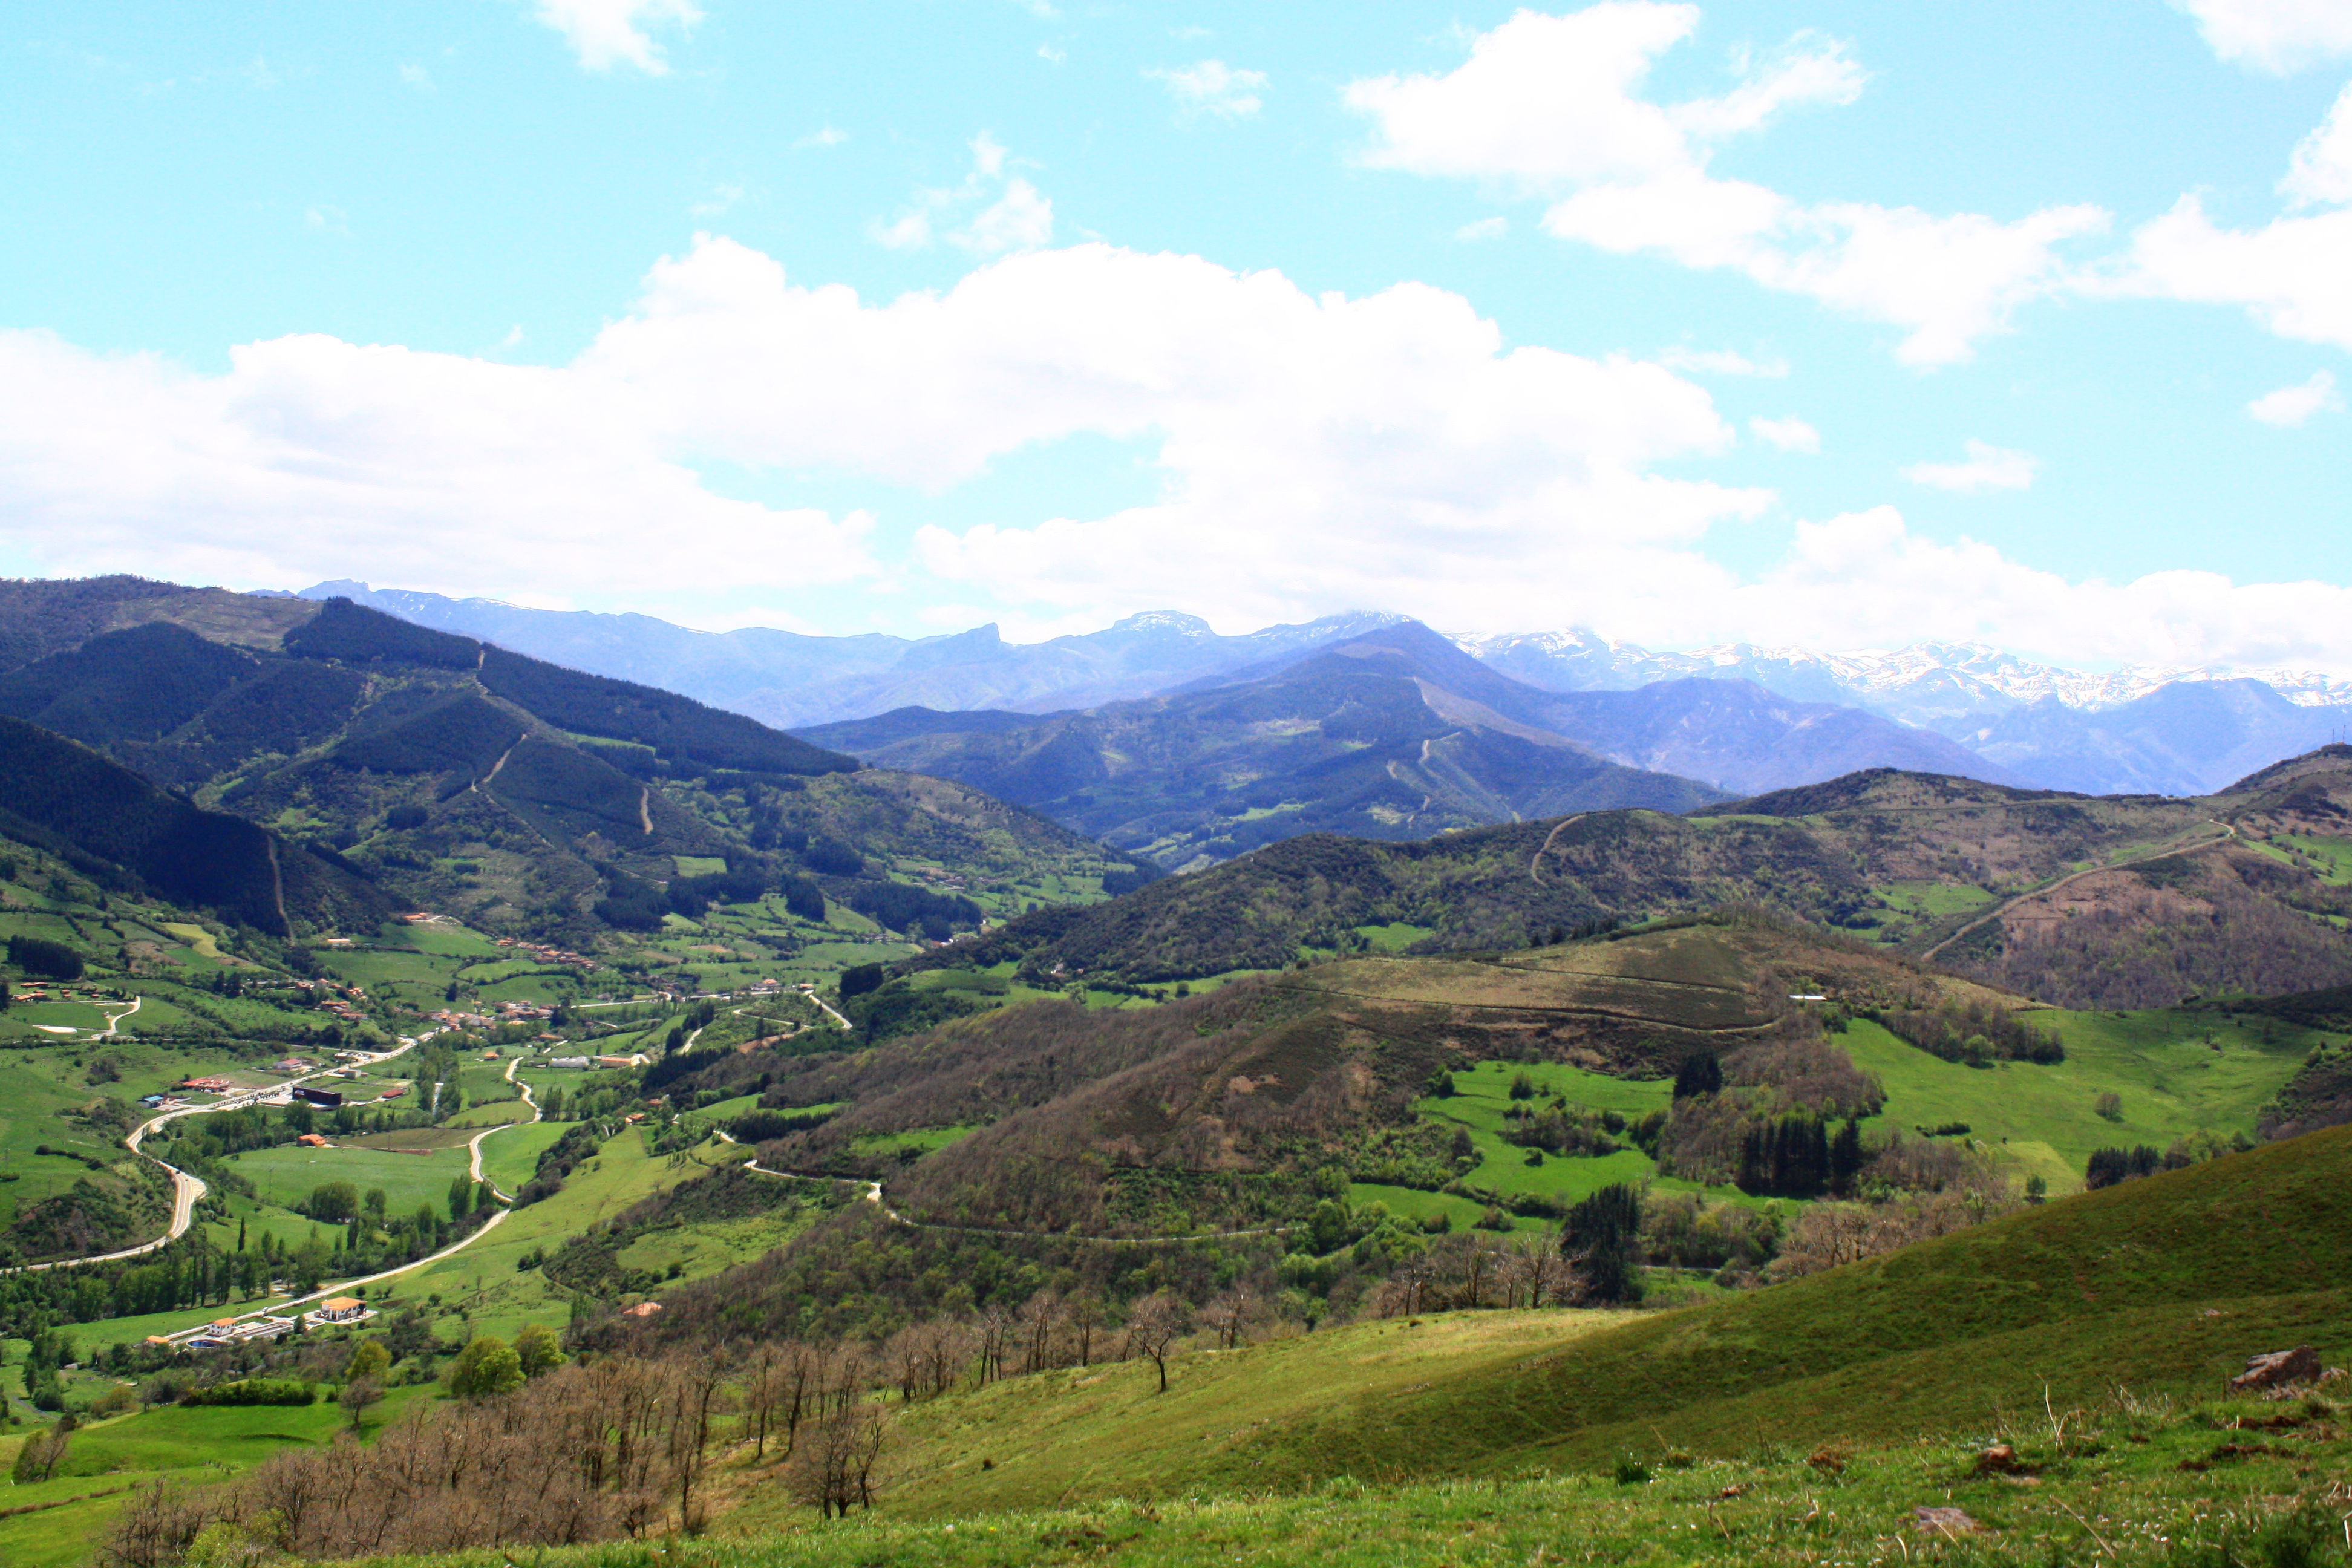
point(2002, 908)
point(187, 1189)
point(474, 1144)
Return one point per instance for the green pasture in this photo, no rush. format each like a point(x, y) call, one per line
point(2172, 1083)
point(175, 1443)
point(1482, 1096)
point(509, 1158)
point(1393, 937)
point(284, 1177)
point(483, 1280)
point(930, 1139)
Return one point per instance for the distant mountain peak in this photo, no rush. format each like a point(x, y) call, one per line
point(1168, 621)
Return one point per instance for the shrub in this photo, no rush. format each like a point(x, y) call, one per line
point(488, 1366)
point(253, 1391)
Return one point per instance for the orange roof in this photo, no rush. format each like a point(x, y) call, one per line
point(643, 1309)
point(345, 1304)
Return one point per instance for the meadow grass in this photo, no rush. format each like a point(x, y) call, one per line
point(186, 1444)
point(2041, 1119)
point(285, 1175)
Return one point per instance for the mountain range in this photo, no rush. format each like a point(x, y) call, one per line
point(301, 767)
point(2136, 730)
point(1395, 734)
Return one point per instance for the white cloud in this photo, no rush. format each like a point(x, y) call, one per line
point(1985, 468)
point(1865, 580)
point(1212, 86)
point(1019, 217)
point(2320, 172)
point(2290, 406)
point(721, 199)
point(1722, 362)
point(608, 32)
point(416, 77)
point(1551, 108)
point(1789, 434)
point(1317, 453)
point(2294, 275)
point(826, 136)
point(312, 457)
point(2277, 35)
point(1494, 227)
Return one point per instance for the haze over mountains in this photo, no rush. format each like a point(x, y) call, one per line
point(2136, 730)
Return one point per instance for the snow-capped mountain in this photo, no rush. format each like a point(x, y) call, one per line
point(1932, 677)
point(2136, 730)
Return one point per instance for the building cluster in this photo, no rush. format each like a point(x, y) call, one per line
point(548, 953)
point(495, 1014)
point(339, 1312)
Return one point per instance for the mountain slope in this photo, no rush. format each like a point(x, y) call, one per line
point(116, 827)
point(2138, 731)
point(1348, 741)
point(460, 777)
point(1394, 734)
point(786, 677)
point(2163, 1286)
point(2089, 901)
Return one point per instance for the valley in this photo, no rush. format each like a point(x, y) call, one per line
point(1459, 1070)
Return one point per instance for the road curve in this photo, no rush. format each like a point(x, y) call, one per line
point(2002, 908)
point(187, 1189)
point(474, 1144)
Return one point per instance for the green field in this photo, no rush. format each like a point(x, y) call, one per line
point(175, 1443)
point(927, 1138)
point(509, 1158)
point(2040, 1119)
point(1482, 1094)
point(285, 1175)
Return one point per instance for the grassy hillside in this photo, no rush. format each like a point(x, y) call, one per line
point(2082, 902)
point(2163, 1286)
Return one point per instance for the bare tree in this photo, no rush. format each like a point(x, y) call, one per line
point(1154, 1327)
point(1086, 1316)
point(357, 1397)
point(836, 1466)
point(1227, 1316)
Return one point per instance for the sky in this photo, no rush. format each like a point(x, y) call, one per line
point(1830, 324)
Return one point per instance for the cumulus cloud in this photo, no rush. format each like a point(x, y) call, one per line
point(1011, 213)
point(1722, 362)
point(2278, 35)
point(2320, 172)
point(1551, 107)
point(608, 32)
point(1315, 453)
point(2290, 406)
point(1494, 227)
point(313, 458)
point(1212, 86)
point(1866, 575)
point(2293, 274)
point(1789, 434)
point(1985, 468)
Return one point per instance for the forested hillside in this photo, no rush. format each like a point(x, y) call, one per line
point(434, 772)
point(2079, 901)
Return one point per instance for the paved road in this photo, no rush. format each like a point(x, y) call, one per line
point(474, 1145)
point(279, 1309)
point(186, 1189)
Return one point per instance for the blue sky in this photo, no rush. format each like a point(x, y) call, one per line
point(1831, 323)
